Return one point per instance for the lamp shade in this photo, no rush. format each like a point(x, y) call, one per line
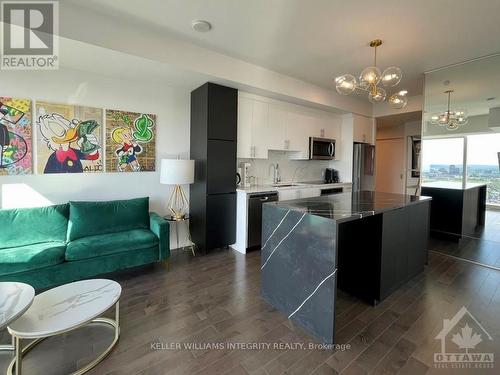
point(177, 172)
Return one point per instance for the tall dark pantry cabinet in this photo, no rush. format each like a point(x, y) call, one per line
point(212, 202)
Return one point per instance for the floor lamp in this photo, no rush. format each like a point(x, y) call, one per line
point(177, 172)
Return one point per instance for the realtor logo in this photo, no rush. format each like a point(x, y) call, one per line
point(461, 339)
point(29, 35)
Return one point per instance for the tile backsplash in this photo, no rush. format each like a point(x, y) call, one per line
point(290, 170)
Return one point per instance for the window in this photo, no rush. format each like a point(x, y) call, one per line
point(443, 159)
point(483, 163)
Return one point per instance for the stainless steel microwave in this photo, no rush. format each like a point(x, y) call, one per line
point(321, 148)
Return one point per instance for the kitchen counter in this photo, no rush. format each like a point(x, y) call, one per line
point(365, 243)
point(296, 185)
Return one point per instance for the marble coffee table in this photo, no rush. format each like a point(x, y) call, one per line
point(64, 309)
point(15, 299)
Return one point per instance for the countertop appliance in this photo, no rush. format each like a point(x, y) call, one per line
point(363, 168)
point(321, 148)
point(255, 202)
point(331, 176)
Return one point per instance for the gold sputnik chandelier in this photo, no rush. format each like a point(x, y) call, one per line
point(370, 80)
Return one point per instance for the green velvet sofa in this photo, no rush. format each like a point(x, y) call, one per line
point(53, 245)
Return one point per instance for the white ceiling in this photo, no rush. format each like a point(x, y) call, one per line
point(315, 40)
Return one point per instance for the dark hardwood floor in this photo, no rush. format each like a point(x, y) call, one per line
point(483, 247)
point(215, 299)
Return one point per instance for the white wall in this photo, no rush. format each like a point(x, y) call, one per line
point(171, 105)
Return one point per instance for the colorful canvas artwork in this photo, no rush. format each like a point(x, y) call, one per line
point(15, 136)
point(130, 141)
point(69, 138)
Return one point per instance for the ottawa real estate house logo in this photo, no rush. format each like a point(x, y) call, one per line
point(29, 35)
point(463, 340)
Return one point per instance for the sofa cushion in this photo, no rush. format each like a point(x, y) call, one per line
point(26, 226)
point(94, 218)
point(30, 257)
point(111, 243)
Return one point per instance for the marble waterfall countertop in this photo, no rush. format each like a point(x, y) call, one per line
point(351, 205)
point(308, 244)
point(287, 186)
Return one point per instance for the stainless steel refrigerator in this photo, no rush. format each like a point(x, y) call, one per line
point(363, 167)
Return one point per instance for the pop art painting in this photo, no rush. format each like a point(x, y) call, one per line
point(69, 138)
point(15, 136)
point(130, 141)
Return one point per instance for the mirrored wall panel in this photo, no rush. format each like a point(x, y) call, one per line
point(461, 159)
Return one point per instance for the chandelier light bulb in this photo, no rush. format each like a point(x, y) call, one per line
point(369, 76)
point(345, 84)
point(391, 76)
point(378, 96)
point(398, 100)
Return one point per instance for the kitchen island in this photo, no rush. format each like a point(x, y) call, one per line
point(456, 210)
point(366, 243)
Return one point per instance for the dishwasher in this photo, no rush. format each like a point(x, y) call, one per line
point(255, 202)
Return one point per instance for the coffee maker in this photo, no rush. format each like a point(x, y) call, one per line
point(331, 176)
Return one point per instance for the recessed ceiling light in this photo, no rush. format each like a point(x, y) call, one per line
point(201, 26)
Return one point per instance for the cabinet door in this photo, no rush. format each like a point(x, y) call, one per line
point(278, 118)
point(310, 193)
point(222, 112)
point(221, 220)
point(297, 138)
point(363, 130)
point(221, 166)
point(245, 114)
point(330, 128)
point(260, 119)
point(288, 194)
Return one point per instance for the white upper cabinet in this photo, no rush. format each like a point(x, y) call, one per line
point(297, 134)
point(265, 124)
point(244, 146)
point(363, 129)
point(278, 120)
point(253, 117)
point(260, 126)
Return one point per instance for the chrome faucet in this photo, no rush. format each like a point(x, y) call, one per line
point(276, 173)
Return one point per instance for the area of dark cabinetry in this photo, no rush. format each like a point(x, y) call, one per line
point(221, 228)
point(456, 212)
point(358, 258)
point(212, 203)
point(221, 161)
point(222, 112)
point(377, 254)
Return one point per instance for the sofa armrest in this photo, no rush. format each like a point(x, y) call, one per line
point(161, 228)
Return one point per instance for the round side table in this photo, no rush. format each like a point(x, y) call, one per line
point(16, 299)
point(177, 221)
